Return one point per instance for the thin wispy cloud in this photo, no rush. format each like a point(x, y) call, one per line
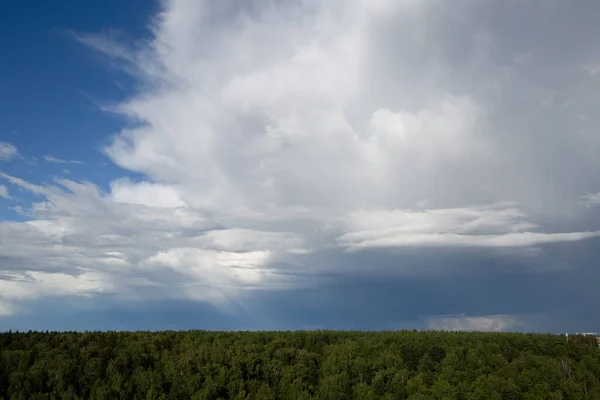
point(7, 151)
point(590, 199)
point(54, 160)
point(4, 192)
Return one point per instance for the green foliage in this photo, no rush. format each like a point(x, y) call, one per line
point(296, 365)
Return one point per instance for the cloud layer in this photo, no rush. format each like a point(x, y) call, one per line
point(381, 126)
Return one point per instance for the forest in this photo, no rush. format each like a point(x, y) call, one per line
point(297, 365)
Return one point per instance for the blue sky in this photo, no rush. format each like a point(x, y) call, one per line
point(299, 165)
point(54, 88)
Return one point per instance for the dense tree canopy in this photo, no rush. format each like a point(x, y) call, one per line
point(297, 365)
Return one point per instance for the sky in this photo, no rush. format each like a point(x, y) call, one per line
point(300, 164)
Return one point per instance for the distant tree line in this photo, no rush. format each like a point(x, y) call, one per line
point(297, 365)
point(589, 340)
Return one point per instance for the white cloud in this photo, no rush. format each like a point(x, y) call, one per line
point(488, 323)
point(590, 199)
point(497, 218)
point(7, 151)
point(211, 274)
point(33, 285)
point(55, 160)
point(145, 193)
point(4, 192)
point(450, 239)
point(497, 226)
point(83, 241)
